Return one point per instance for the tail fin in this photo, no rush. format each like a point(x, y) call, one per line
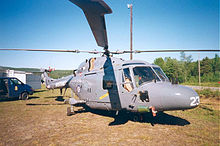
point(45, 78)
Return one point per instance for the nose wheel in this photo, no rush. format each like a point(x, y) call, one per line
point(139, 117)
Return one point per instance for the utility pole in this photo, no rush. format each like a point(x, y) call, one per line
point(130, 6)
point(199, 69)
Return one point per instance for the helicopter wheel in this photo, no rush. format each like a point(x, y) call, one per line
point(136, 118)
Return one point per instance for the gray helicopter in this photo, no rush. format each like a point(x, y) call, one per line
point(114, 84)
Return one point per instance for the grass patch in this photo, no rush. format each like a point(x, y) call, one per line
point(206, 84)
point(208, 93)
point(42, 120)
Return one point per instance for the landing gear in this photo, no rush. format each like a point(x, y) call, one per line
point(70, 111)
point(138, 117)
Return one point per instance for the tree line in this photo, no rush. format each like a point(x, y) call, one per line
point(186, 70)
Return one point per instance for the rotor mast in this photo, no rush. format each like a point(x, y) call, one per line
point(106, 51)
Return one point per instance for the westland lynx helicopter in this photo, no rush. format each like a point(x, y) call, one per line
point(115, 84)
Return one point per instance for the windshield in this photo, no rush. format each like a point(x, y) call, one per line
point(143, 75)
point(160, 73)
point(15, 81)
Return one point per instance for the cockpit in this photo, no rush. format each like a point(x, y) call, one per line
point(161, 74)
point(143, 75)
point(139, 75)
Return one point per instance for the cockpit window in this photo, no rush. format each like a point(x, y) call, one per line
point(91, 63)
point(160, 74)
point(143, 75)
point(127, 73)
point(126, 79)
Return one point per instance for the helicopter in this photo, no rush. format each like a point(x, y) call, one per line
point(114, 84)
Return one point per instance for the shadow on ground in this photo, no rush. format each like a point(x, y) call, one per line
point(8, 99)
point(36, 104)
point(124, 117)
point(40, 91)
point(57, 98)
point(33, 97)
point(15, 99)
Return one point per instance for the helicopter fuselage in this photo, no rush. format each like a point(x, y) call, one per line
point(113, 84)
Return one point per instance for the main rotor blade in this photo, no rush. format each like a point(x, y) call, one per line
point(39, 50)
point(50, 50)
point(94, 11)
point(164, 51)
point(112, 52)
point(178, 50)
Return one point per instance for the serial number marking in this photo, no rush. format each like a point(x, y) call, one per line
point(194, 101)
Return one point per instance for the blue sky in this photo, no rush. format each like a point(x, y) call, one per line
point(58, 24)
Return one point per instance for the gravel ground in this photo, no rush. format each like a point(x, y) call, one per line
point(42, 120)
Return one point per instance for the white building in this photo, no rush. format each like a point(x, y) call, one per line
point(26, 77)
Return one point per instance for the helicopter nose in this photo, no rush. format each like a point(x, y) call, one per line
point(188, 97)
point(181, 98)
point(166, 96)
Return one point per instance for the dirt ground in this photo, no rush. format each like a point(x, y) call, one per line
point(42, 120)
